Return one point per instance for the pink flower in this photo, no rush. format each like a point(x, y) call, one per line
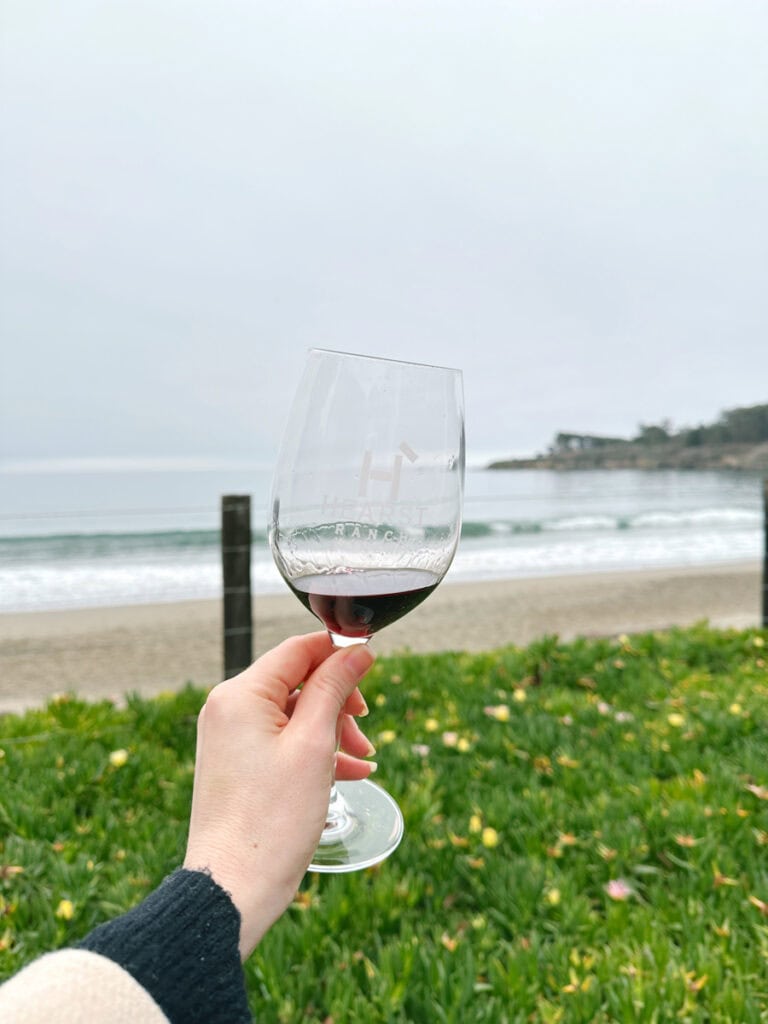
point(619, 889)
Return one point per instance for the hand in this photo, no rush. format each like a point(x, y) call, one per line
point(264, 771)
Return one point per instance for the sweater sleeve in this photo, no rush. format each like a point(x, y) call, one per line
point(75, 986)
point(181, 945)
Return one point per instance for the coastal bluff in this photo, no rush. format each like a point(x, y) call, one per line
point(745, 457)
point(737, 440)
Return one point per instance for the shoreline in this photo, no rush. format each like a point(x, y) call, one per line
point(107, 652)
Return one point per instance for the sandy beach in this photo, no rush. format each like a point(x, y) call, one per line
point(108, 652)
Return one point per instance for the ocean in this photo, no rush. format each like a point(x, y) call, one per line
point(84, 533)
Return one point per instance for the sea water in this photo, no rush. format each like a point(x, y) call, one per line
point(76, 534)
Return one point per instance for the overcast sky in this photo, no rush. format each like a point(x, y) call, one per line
point(567, 200)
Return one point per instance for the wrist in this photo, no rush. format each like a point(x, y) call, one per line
point(258, 898)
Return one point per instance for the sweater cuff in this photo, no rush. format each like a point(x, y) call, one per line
point(182, 945)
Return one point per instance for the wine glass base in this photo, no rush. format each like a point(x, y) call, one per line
point(372, 830)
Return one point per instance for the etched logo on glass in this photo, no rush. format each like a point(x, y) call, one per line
point(391, 476)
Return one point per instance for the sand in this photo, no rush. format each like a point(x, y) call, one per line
point(109, 652)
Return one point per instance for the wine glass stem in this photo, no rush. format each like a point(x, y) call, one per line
point(338, 820)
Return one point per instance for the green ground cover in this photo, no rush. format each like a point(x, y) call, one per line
point(587, 838)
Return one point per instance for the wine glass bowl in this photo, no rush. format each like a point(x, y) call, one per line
point(365, 521)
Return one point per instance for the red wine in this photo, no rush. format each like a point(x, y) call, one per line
point(359, 602)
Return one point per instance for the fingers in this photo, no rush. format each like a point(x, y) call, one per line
point(350, 769)
point(353, 740)
point(329, 688)
point(349, 734)
point(278, 672)
point(356, 704)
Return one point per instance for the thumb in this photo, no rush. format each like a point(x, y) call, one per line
point(330, 686)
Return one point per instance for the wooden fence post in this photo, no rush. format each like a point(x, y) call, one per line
point(236, 568)
point(765, 554)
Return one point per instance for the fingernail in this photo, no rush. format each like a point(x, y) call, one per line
point(371, 750)
point(359, 659)
point(366, 710)
point(373, 766)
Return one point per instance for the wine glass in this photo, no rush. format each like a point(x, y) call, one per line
point(366, 516)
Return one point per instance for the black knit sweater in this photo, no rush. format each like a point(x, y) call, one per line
point(181, 945)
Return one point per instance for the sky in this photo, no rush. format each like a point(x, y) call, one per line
point(567, 200)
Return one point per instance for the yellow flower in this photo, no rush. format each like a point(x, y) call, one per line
point(686, 840)
point(380, 700)
point(553, 897)
point(631, 971)
point(118, 758)
point(758, 641)
point(693, 983)
point(735, 708)
point(304, 900)
point(719, 879)
point(65, 910)
point(498, 711)
point(676, 720)
point(459, 841)
point(388, 736)
point(490, 837)
point(431, 725)
point(520, 695)
point(576, 984)
point(463, 745)
point(475, 823)
point(567, 762)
